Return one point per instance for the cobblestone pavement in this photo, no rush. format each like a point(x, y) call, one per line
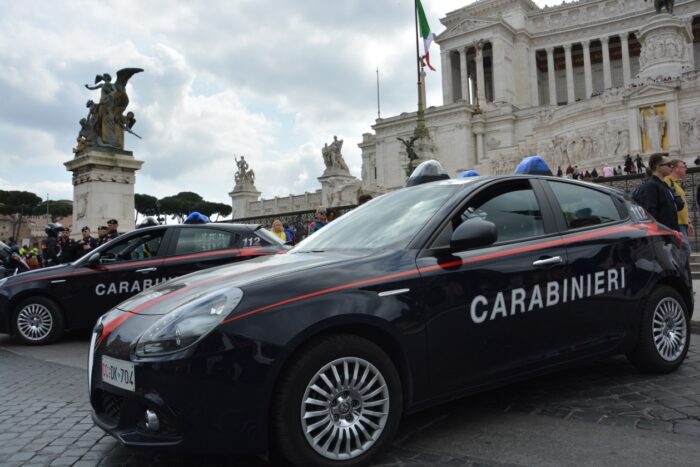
point(45, 415)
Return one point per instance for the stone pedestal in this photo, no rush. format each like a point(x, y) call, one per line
point(665, 51)
point(103, 188)
point(339, 189)
point(241, 197)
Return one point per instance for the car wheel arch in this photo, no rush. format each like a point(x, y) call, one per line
point(677, 284)
point(368, 329)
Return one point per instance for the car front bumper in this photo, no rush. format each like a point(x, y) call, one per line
point(203, 404)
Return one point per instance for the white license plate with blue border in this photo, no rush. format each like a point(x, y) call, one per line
point(118, 373)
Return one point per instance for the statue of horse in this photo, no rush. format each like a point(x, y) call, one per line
point(659, 4)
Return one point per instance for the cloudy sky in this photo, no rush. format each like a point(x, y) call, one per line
point(271, 80)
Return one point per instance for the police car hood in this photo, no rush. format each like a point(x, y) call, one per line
point(170, 295)
point(43, 273)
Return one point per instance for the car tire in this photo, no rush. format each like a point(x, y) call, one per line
point(37, 321)
point(363, 400)
point(664, 333)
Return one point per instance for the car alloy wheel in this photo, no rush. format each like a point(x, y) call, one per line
point(37, 321)
point(34, 322)
point(345, 408)
point(669, 328)
point(664, 332)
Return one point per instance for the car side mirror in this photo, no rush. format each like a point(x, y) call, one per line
point(94, 259)
point(474, 233)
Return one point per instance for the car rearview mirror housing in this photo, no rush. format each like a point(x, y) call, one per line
point(474, 233)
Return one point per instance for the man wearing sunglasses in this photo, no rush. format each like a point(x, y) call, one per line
point(655, 196)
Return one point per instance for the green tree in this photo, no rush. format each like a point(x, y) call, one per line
point(146, 205)
point(56, 209)
point(180, 205)
point(17, 205)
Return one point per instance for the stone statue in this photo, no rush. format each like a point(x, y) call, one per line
point(332, 156)
point(659, 4)
point(410, 153)
point(653, 126)
point(105, 124)
point(243, 177)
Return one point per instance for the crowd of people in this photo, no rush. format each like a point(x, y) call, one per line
point(322, 217)
point(58, 247)
point(628, 167)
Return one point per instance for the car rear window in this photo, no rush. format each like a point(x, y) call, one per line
point(583, 206)
point(195, 240)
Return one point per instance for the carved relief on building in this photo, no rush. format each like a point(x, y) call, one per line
point(579, 148)
point(97, 176)
point(503, 165)
point(564, 16)
point(661, 48)
point(81, 209)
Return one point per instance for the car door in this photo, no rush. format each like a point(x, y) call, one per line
point(195, 248)
point(602, 274)
point(127, 265)
point(494, 312)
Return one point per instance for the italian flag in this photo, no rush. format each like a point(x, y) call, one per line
point(425, 33)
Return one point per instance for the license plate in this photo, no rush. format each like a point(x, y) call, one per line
point(118, 373)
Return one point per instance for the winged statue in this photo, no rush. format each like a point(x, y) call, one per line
point(106, 123)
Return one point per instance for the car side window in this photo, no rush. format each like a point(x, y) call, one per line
point(195, 240)
point(144, 246)
point(583, 207)
point(511, 206)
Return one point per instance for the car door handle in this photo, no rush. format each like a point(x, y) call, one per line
point(147, 270)
point(548, 261)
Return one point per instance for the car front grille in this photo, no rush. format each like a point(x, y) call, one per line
point(110, 405)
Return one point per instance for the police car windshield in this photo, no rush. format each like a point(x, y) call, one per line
point(268, 236)
point(388, 222)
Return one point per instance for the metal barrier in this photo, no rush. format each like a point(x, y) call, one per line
point(299, 220)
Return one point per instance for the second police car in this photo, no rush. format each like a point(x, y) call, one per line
point(37, 306)
point(420, 296)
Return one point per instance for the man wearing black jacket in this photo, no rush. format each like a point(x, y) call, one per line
point(85, 244)
point(655, 196)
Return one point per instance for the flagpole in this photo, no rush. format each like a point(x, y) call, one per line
point(379, 112)
point(420, 124)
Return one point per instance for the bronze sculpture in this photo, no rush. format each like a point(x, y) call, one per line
point(659, 4)
point(105, 124)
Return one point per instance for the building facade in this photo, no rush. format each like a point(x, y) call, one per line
point(582, 83)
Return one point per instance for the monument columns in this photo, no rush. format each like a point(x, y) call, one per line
point(570, 97)
point(550, 76)
point(587, 72)
point(624, 42)
point(480, 94)
point(607, 77)
point(501, 71)
point(464, 79)
point(533, 78)
point(478, 128)
point(447, 92)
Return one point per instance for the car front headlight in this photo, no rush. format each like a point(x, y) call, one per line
point(187, 324)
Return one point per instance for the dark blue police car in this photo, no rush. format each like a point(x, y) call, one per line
point(420, 296)
point(37, 306)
